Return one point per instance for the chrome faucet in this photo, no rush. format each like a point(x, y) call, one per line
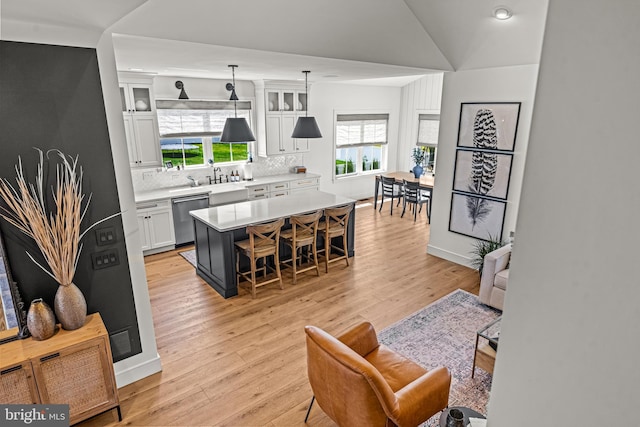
point(194, 182)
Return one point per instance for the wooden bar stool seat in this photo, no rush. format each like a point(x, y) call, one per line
point(303, 233)
point(335, 223)
point(263, 241)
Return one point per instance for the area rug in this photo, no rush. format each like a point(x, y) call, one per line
point(444, 334)
point(190, 256)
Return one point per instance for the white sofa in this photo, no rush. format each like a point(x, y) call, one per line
point(495, 274)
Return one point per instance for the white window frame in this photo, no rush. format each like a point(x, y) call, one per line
point(360, 146)
point(427, 115)
point(207, 136)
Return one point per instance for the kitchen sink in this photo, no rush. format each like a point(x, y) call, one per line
point(214, 188)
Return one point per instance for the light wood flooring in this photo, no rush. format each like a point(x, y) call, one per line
point(241, 361)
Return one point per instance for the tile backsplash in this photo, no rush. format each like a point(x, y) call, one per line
point(154, 178)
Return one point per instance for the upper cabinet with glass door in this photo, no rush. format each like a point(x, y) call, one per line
point(140, 124)
point(136, 98)
point(286, 101)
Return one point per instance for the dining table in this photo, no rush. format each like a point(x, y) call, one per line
point(425, 181)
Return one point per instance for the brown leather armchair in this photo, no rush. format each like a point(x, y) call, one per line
point(359, 382)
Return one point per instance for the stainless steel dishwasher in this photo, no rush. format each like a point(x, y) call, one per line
point(182, 221)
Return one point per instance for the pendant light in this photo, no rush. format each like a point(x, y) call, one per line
point(236, 129)
point(306, 127)
point(183, 94)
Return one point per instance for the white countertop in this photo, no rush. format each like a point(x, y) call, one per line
point(239, 215)
point(226, 187)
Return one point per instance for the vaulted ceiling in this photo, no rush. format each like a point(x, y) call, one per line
point(369, 41)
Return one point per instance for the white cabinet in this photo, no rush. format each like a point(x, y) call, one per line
point(286, 100)
point(304, 184)
point(140, 124)
point(282, 109)
point(283, 188)
point(155, 222)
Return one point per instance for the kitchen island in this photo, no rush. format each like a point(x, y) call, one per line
point(217, 228)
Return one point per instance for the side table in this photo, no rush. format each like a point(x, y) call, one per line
point(467, 412)
point(484, 356)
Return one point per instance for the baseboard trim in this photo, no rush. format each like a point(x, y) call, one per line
point(449, 256)
point(131, 374)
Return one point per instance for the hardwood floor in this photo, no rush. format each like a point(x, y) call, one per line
point(242, 361)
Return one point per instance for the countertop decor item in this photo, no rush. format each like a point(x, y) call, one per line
point(57, 231)
point(418, 155)
point(40, 320)
point(455, 418)
point(306, 127)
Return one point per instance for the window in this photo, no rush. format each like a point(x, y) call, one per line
point(428, 129)
point(190, 132)
point(361, 141)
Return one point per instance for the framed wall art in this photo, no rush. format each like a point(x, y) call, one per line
point(490, 126)
point(477, 217)
point(483, 173)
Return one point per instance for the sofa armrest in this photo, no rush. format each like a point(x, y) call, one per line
point(494, 262)
point(361, 338)
point(422, 398)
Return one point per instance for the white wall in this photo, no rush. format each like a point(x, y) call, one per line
point(422, 96)
point(569, 344)
point(147, 362)
point(328, 98)
point(507, 84)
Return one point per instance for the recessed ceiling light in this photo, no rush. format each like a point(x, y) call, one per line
point(502, 13)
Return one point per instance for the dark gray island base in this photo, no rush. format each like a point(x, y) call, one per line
point(217, 228)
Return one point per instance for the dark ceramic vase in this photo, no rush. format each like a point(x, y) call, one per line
point(70, 307)
point(455, 418)
point(40, 320)
point(417, 171)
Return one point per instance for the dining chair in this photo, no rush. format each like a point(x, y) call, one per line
point(263, 241)
point(414, 196)
point(335, 224)
point(302, 234)
point(390, 189)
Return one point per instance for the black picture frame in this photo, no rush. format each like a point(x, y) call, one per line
point(468, 222)
point(503, 117)
point(471, 176)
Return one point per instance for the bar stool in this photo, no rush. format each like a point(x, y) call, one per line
point(335, 224)
point(303, 233)
point(263, 241)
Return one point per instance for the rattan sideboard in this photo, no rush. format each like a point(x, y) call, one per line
point(72, 367)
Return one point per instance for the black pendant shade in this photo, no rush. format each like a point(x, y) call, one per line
point(306, 127)
point(183, 94)
point(236, 129)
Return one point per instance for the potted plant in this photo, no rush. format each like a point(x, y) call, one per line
point(483, 247)
point(418, 157)
point(56, 232)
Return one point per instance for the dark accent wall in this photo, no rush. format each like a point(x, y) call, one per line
point(51, 97)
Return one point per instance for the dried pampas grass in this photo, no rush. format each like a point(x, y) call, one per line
point(57, 233)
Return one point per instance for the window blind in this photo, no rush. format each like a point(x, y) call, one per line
point(428, 129)
point(361, 129)
point(195, 122)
